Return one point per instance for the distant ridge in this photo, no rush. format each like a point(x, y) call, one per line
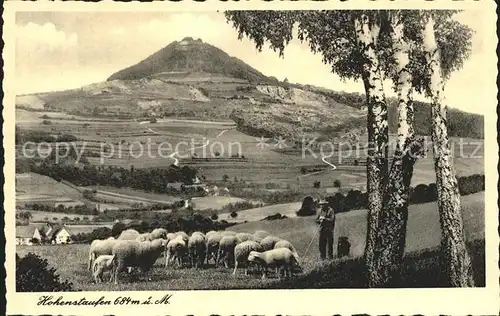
point(190, 55)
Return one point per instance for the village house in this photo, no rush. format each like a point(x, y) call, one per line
point(59, 235)
point(28, 235)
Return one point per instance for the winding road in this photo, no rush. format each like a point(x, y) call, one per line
point(172, 155)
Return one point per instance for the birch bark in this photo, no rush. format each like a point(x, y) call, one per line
point(367, 33)
point(456, 260)
point(393, 218)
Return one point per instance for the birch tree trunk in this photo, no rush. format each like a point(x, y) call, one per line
point(456, 260)
point(367, 33)
point(393, 218)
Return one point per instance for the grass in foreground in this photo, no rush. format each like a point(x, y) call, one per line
point(422, 269)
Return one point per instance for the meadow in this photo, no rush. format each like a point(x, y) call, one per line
point(423, 236)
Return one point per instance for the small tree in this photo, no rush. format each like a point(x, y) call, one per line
point(337, 183)
point(225, 178)
point(33, 275)
point(234, 214)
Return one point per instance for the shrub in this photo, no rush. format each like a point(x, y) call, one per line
point(337, 183)
point(46, 122)
point(214, 217)
point(234, 214)
point(33, 275)
point(117, 229)
point(317, 184)
point(308, 207)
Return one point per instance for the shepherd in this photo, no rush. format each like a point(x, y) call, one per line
point(326, 221)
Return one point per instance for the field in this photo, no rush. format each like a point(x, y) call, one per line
point(38, 216)
point(219, 140)
point(423, 233)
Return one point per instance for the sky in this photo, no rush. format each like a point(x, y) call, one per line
point(65, 50)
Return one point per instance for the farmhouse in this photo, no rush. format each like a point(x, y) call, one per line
point(59, 235)
point(27, 235)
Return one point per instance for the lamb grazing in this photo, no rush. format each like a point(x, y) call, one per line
point(133, 253)
point(245, 236)
point(102, 264)
point(197, 249)
point(213, 246)
point(158, 233)
point(261, 234)
point(275, 258)
point(228, 233)
point(176, 250)
point(226, 250)
point(241, 253)
point(100, 247)
point(129, 234)
point(269, 242)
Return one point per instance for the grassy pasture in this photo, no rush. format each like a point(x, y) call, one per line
point(214, 202)
point(423, 233)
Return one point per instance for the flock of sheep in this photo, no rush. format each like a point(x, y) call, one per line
point(132, 250)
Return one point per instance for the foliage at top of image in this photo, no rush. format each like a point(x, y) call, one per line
point(34, 275)
point(332, 34)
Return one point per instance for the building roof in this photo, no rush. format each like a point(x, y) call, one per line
point(56, 230)
point(25, 231)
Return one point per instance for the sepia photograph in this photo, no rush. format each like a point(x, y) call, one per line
point(248, 150)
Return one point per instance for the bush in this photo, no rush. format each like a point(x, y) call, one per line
point(214, 217)
point(471, 184)
point(234, 214)
point(33, 275)
point(117, 229)
point(46, 122)
point(337, 184)
point(308, 207)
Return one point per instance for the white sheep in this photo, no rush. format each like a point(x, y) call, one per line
point(245, 236)
point(102, 264)
point(200, 234)
point(176, 250)
point(226, 250)
point(184, 236)
point(133, 253)
point(197, 249)
point(268, 242)
point(210, 233)
point(213, 246)
point(143, 237)
point(275, 258)
point(286, 244)
point(100, 247)
point(228, 233)
point(261, 234)
point(171, 236)
point(241, 253)
point(158, 233)
point(129, 234)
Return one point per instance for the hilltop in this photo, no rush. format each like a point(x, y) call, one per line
point(189, 55)
point(190, 78)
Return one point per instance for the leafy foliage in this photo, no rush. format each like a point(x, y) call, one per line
point(331, 33)
point(33, 275)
